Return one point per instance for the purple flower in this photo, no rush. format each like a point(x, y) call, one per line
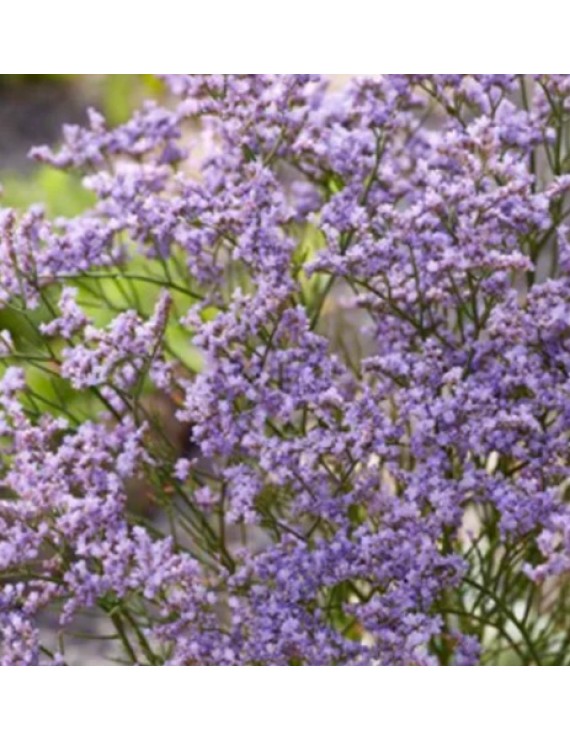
point(295, 390)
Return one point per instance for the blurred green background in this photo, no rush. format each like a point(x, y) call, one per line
point(33, 109)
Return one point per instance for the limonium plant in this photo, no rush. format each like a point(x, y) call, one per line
point(295, 389)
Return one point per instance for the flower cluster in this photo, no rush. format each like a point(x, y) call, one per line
point(324, 336)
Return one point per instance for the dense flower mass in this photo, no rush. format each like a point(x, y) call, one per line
point(296, 388)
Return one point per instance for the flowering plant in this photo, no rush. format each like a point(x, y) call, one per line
point(296, 388)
